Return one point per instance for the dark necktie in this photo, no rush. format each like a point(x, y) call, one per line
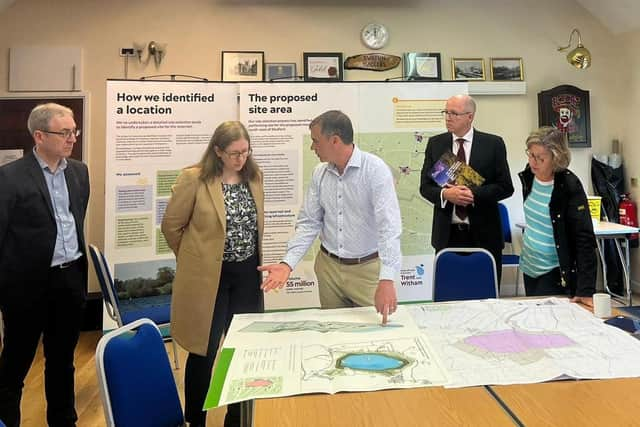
point(461, 211)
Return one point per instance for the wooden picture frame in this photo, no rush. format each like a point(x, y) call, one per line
point(467, 69)
point(566, 108)
point(323, 66)
point(422, 66)
point(242, 66)
point(507, 69)
point(280, 71)
point(15, 112)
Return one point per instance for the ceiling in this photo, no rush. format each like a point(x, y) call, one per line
point(618, 16)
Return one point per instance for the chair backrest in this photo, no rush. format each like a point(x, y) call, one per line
point(506, 224)
point(464, 274)
point(137, 386)
point(107, 286)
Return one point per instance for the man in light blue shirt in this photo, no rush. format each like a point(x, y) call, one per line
point(43, 267)
point(351, 204)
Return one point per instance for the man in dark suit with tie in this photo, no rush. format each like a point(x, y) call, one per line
point(465, 217)
point(43, 266)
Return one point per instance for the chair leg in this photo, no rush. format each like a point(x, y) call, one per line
point(517, 277)
point(1, 331)
point(175, 354)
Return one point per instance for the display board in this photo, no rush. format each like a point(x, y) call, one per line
point(156, 128)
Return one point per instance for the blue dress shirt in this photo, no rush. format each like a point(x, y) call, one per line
point(355, 214)
point(66, 249)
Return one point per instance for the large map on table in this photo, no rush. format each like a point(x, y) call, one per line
point(527, 341)
point(454, 344)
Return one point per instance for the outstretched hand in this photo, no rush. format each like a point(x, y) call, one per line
point(385, 299)
point(277, 277)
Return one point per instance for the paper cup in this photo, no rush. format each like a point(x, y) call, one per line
point(602, 305)
point(594, 208)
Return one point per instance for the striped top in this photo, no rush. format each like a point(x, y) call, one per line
point(539, 254)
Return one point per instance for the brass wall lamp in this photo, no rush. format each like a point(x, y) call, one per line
point(580, 57)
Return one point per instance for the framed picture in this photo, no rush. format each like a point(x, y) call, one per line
point(506, 69)
point(242, 66)
point(566, 108)
point(467, 69)
point(279, 71)
point(422, 66)
point(323, 66)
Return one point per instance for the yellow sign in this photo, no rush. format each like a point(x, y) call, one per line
point(594, 206)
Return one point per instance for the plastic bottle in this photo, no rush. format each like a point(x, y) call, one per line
point(615, 158)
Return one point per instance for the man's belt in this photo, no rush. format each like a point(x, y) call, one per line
point(349, 261)
point(66, 264)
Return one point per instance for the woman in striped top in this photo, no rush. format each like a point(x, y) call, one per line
point(559, 249)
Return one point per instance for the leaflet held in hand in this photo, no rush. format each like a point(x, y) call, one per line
point(449, 170)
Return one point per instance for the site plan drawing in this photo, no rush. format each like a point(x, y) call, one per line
point(524, 341)
point(454, 344)
point(326, 351)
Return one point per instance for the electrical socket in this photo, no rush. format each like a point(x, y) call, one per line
point(634, 182)
point(127, 51)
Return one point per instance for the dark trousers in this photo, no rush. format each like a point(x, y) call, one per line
point(238, 292)
point(56, 315)
point(547, 284)
point(460, 236)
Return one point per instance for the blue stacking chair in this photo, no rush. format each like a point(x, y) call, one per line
point(464, 274)
point(160, 314)
point(136, 382)
point(509, 260)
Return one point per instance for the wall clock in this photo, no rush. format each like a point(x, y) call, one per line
point(374, 35)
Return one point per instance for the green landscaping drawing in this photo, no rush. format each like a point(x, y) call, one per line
point(316, 326)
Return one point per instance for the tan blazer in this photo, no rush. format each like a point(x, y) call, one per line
point(194, 225)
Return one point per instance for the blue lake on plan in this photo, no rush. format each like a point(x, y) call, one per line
point(371, 362)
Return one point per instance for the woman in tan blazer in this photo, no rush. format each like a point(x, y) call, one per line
point(213, 223)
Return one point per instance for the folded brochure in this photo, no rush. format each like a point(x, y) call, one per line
point(449, 170)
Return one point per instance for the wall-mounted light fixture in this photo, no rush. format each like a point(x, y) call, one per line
point(153, 50)
point(579, 57)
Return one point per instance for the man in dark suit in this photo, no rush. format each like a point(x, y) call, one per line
point(43, 267)
point(465, 217)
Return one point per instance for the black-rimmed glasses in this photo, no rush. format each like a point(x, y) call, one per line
point(66, 133)
point(453, 113)
point(237, 154)
point(537, 159)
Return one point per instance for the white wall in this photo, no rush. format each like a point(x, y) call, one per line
point(196, 31)
point(629, 111)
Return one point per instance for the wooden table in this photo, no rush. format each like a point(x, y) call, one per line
point(574, 403)
point(430, 406)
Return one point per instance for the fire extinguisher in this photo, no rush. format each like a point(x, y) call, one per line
point(629, 216)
